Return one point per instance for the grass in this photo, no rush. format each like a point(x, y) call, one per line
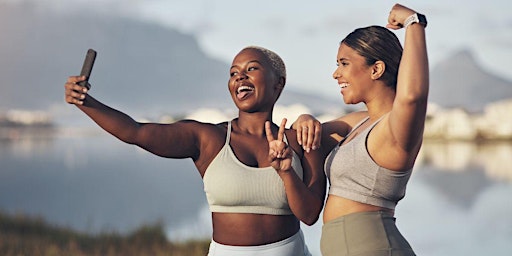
point(22, 235)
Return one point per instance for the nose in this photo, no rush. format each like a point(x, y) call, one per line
point(337, 73)
point(241, 76)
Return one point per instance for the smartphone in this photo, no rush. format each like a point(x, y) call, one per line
point(87, 67)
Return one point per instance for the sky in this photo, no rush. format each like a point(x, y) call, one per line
point(306, 33)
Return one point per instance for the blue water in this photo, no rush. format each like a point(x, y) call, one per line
point(458, 200)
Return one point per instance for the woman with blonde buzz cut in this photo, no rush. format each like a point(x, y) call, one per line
point(259, 184)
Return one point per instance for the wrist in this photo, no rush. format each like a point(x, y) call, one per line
point(283, 173)
point(415, 18)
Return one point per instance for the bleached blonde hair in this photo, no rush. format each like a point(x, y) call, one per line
point(276, 61)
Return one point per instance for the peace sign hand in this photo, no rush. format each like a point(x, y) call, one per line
point(280, 155)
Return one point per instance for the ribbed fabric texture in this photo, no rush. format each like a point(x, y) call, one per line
point(232, 186)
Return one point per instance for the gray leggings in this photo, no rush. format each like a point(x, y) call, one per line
point(364, 234)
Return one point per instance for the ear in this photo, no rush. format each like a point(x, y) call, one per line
point(378, 69)
point(280, 83)
point(280, 86)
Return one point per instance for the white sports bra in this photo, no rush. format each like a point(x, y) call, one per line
point(231, 186)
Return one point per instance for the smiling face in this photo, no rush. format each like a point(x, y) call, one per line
point(253, 83)
point(353, 75)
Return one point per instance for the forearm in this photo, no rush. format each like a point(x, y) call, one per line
point(304, 203)
point(111, 120)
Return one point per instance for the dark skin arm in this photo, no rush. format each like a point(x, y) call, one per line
point(201, 142)
point(177, 140)
point(325, 136)
point(306, 196)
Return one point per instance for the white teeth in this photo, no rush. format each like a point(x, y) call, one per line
point(344, 85)
point(244, 88)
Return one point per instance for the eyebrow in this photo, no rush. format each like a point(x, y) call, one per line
point(249, 62)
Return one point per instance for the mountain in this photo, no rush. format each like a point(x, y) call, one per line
point(145, 67)
point(138, 63)
point(458, 81)
point(140, 66)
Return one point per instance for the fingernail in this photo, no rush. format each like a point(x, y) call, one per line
point(314, 147)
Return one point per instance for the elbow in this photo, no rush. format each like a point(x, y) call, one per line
point(415, 91)
point(127, 138)
point(414, 97)
point(313, 216)
point(311, 221)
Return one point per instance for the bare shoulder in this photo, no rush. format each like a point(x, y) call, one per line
point(204, 131)
point(353, 118)
point(210, 138)
point(342, 125)
point(335, 130)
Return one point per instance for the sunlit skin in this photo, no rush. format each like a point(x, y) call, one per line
point(255, 140)
point(395, 141)
point(251, 71)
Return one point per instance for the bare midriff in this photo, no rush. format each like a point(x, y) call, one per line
point(336, 207)
point(246, 229)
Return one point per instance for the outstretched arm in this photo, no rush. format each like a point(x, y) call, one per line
point(178, 140)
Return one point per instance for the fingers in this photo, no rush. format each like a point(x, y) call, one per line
point(74, 93)
point(280, 151)
point(393, 22)
point(268, 132)
point(280, 133)
point(303, 122)
point(309, 135)
point(397, 16)
point(284, 153)
point(394, 27)
point(317, 135)
point(306, 138)
point(277, 147)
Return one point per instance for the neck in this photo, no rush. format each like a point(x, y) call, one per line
point(253, 123)
point(381, 104)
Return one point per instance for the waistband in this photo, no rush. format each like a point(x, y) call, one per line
point(277, 248)
point(359, 215)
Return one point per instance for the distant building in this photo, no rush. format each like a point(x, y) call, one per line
point(458, 124)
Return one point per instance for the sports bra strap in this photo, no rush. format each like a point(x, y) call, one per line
point(228, 133)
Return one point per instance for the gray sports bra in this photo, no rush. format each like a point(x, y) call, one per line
point(354, 175)
point(232, 186)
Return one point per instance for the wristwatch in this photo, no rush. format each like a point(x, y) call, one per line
point(416, 18)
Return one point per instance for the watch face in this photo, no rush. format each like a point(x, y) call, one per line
point(422, 19)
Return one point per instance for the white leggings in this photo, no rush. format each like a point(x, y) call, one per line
point(291, 246)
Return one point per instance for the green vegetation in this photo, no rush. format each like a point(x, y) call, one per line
point(22, 235)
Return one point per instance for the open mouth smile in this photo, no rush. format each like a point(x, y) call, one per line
point(243, 91)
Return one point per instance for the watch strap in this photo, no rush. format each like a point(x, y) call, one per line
point(415, 18)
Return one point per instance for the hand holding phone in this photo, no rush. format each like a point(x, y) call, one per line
point(87, 67)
